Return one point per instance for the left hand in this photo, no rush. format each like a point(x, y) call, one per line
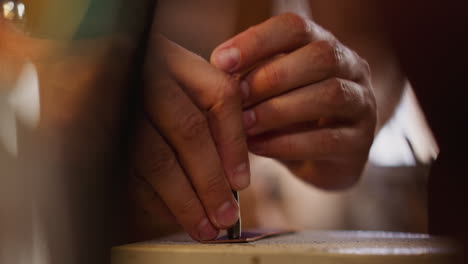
point(190, 149)
point(308, 102)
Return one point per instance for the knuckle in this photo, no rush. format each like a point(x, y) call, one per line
point(191, 126)
point(227, 88)
point(224, 88)
point(270, 109)
point(332, 138)
point(338, 56)
point(214, 185)
point(326, 53)
point(228, 94)
point(160, 163)
point(296, 23)
point(368, 98)
point(157, 160)
point(187, 207)
point(235, 143)
point(273, 75)
point(338, 91)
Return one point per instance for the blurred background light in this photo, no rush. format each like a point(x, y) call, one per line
point(20, 102)
point(24, 98)
point(406, 139)
point(8, 8)
point(20, 8)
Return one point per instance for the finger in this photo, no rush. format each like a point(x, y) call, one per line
point(216, 94)
point(306, 142)
point(156, 162)
point(330, 158)
point(187, 130)
point(312, 63)
point(333, 99)
point(279, 34)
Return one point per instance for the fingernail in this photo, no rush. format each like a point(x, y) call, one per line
point(242, 176)
point(206, 231)
point(245, 90)
point(249, 119)
point(227, 59)
point(227, 214)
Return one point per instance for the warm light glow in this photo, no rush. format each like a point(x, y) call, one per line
point(8, 10)
point(408, 124)
point(24, 98)
point(21, 103)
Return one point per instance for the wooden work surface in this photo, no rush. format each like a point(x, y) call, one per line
point(301, 247)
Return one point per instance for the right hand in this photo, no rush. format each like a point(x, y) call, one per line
point(190, 145)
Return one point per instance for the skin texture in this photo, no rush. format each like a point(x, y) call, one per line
point(359, 25)
point(317, 118)
point(188, 123)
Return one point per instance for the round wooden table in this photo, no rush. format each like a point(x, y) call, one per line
point(315, 247)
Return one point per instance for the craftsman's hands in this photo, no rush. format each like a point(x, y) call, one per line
point(308, 102)
point(191, 145)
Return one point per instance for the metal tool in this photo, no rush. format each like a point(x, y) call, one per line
point(234, 232)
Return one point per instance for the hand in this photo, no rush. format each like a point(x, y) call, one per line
point(308, 102)
point(191, 145)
